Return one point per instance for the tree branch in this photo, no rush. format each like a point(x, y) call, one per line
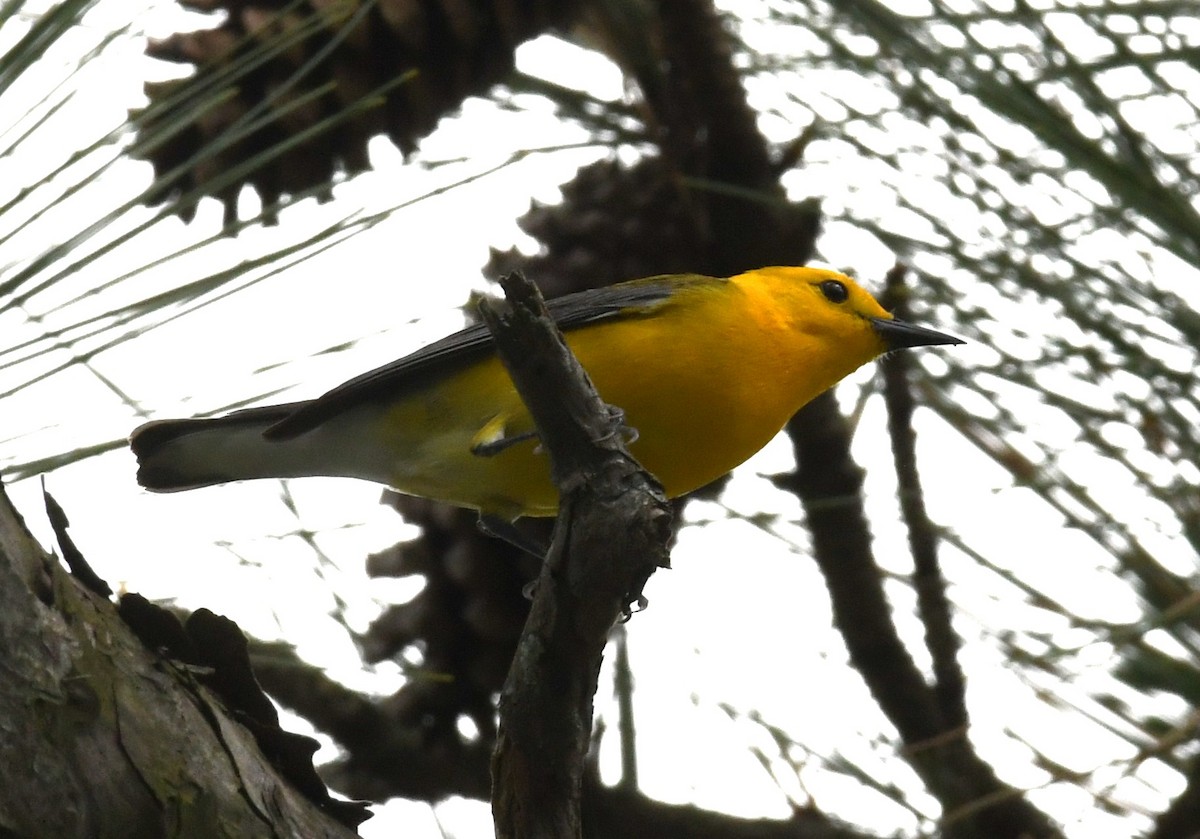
point(623, 685)
point(975, 802)
point(1179, 821)
point(940, 638)
point(385, 757)
point(610, 535)
point(616, 813)
point(124, 741)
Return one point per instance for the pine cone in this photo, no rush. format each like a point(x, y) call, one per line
point(615, 223)
point(326, 75)
point(466, 621)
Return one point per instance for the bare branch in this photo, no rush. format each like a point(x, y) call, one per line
point(942, 642)
point(611, 534)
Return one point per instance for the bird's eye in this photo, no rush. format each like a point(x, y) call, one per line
point(835, 291)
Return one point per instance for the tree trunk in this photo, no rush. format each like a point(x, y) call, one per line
point(102, 737)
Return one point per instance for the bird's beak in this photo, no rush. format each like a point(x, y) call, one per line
point(897, 334)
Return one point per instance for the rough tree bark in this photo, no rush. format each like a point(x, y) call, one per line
point(611, 533)
point(102, 737)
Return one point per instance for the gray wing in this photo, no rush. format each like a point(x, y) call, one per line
point(472, 344)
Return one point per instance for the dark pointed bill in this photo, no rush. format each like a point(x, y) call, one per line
point(899, 334)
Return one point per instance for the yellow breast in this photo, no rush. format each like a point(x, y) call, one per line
point(706, 380)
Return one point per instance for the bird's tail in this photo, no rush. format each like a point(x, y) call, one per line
point(189, 453)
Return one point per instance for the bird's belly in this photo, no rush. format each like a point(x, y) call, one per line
point(693, 429)
point(696, 418)
point(433, 438)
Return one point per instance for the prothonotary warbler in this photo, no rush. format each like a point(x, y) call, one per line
point(707, 371)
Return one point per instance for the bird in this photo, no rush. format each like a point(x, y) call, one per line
point(705, 369)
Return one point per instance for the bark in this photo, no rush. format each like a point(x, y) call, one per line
point(102, 737)
point(611, 533)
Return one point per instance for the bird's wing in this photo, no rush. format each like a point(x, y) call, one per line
point(474, 343)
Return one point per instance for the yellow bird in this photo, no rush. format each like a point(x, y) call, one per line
point(707, 371)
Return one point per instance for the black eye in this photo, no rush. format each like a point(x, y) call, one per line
point(835, 291)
